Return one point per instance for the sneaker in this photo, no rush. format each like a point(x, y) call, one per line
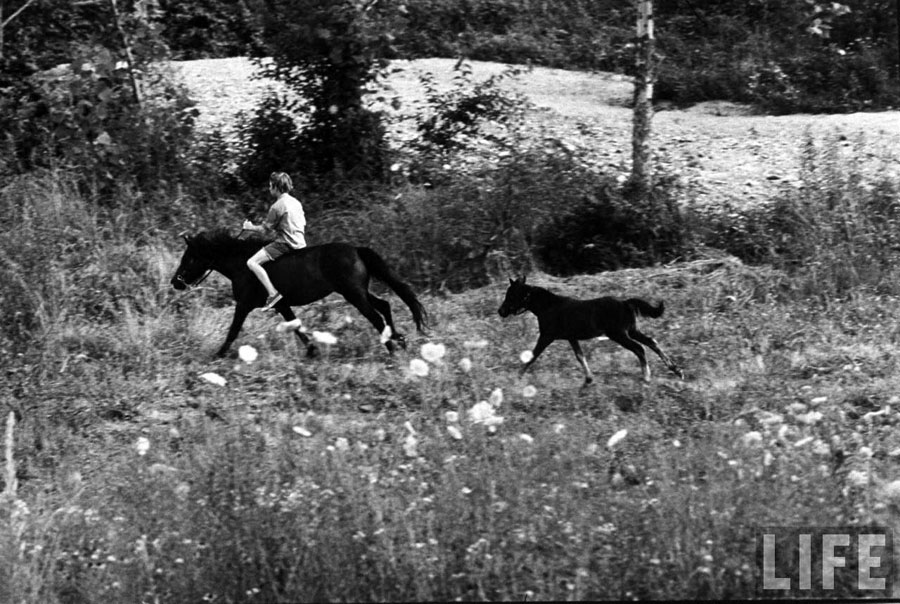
point(272, 301)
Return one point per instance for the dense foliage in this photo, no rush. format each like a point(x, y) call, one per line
point(784, 56)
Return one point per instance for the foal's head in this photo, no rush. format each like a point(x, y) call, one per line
point(516, 298)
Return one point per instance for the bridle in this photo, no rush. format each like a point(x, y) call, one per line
point(180, 279)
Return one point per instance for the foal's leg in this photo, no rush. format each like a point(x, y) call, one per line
point(384, 309)
point(240, 315)
point(288, 314)
point(654, 346)
point(539, 347)
point(622, 338)
point(579, 354)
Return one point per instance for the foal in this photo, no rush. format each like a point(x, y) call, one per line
point(562, 318)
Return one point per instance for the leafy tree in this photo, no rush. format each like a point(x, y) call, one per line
point(210, 28)
point(109, 114)
point(330, 54)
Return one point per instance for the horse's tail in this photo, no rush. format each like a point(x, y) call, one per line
point(644, 308)
point(379, 269)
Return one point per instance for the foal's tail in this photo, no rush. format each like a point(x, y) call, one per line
point(379, 269)
point(644, 308)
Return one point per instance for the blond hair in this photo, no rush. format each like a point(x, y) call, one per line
point(281, 182)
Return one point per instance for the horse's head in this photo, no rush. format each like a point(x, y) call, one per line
point(193, 266)
point(516, 300)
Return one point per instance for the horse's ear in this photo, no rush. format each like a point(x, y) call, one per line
point(511, 281)
point(522, 280)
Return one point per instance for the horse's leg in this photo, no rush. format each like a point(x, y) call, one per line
point(539, 347)
point(622, 338)
point(654, 346)
point(240, 315)
point(360, 299)
point(384, 308)
point(579, 354)
point(288, 314)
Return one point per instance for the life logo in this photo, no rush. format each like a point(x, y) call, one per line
point(824, 562)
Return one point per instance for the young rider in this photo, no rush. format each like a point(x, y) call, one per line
point(287, 220)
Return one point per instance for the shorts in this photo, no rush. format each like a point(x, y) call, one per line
point(276, 249)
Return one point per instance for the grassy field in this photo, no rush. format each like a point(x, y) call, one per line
point(146, 470)
point(350, 477)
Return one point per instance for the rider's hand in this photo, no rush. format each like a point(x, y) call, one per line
point(248, 226)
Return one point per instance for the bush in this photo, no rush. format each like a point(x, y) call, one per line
point(836, 231)
point(609, 227)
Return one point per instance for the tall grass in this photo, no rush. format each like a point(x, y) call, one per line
point(345, 478)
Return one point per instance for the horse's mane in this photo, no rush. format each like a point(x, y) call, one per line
point(219, 242)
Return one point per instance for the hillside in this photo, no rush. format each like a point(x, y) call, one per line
point(722, 149)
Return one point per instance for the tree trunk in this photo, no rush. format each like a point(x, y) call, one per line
point(641, 173)
point(135, 84)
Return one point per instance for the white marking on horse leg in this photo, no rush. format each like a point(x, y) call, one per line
point(588, 376)
point(386, 334)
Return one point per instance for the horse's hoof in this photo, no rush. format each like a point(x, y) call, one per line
point(400, 340)
point(391, 347)
point(312, 351)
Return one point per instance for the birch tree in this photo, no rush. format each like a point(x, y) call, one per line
point(641, 172)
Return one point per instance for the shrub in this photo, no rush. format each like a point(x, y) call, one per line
point(836, 230)
point(610, 227)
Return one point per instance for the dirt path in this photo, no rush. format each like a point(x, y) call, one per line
point(723, 150)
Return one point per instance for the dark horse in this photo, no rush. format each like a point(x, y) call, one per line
point(562, 318)
point(302, 277)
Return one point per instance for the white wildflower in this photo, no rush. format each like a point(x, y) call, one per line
point(410, 446)
point(324, 337)
point(526, 356)
point(815, 402)
point(341, 444)
point(767, 418)
point(526, 437)
point(797, 408)
point(480, 412)
point(865, 452)
point(301, 431)
point(418, 367)
point(751, 439)
point(891, 492)
point(433, 353)
point(465, 365)
point(452, 417)
point(858, 478)
point(142, 445)
point(804, 441)
point(475, 344)
point(496, 397)
point(616, 438)
point(454, 432)
point(529, 391)
point(213, 378)
point(809, 418)
point(247, 353)
point(820, 447)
